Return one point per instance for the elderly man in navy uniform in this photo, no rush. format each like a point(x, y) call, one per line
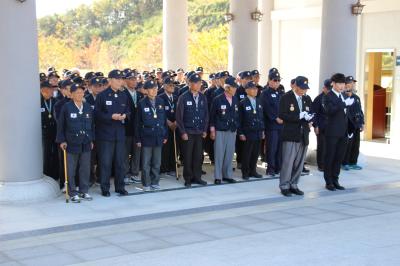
point(295, 112)
point(251, 130)
point(319, 123)
point(49, 131)
point(270, 98)
point(111, 111)
point(224, 121)
point(355, 126)
point(192, 120)
point(75, 134)
point(336, 108)
point(132, 150)
point(168, 159)
point(151, 134)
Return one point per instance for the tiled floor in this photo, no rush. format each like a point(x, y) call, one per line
point(241, 224)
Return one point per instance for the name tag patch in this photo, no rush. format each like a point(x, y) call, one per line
point(42, 110)
point(273, 95)
point(223, 107)
point(241, 96)
point(188, 103)
point(146, 109)
point(73, 115)
point(166, 108)
point(108, 102)
point(248, 108)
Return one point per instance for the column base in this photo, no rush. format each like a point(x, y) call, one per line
point(31, 191)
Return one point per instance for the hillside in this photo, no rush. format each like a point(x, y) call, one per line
point(128, 33)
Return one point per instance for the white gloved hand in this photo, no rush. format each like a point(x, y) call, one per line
point(302, 115)
point(349, 101)
point(308, 117)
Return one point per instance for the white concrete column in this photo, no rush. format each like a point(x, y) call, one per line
point(175, 34)
point(21, 174)
point(265, 39)
point(338, 39)
point(243, 37)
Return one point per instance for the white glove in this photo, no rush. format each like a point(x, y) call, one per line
point(308, 117)
point(302, 115)
point(349, 101)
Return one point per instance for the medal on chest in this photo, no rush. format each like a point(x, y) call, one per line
point(291, 107)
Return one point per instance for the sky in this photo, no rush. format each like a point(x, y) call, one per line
point(49, 7)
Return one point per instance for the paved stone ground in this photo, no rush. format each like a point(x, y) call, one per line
point(241, 224)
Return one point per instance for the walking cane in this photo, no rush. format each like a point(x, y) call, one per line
point(176, 158)
point(66, 177)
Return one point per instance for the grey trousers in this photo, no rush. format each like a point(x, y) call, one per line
point(224, 148)
point(151, 162)
point(293, 156)
point(83, 160)
point(133, 157)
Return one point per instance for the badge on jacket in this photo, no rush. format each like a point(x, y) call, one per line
point(291, 107)
point(188, 103)
point(73, 115)
point(248, 108)
point(108, 102)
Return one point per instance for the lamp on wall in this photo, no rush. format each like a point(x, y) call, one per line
point(356, 9)
point(228, 17)
point(257, 15)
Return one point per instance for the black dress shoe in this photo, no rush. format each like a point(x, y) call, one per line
point(188, 184)
point(297, 191)
point(338, 186)
point(122, 192)
point(306, 170)
point(245, 177)
point(105, 193)
point(270, 174)
point(229, 180)
point(201, 182)
point(203, 172)
point(217, 181)
point(330, 187)
point(257, 175)
point(286, 192)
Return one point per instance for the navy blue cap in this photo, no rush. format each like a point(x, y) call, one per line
point(53, 74)
point(199, 69)
point(194, 78)
point(231, 81)
point(188, 74)
point(168, 81)
point(224, 74)
point(212, 76)
point(350, 79)
point(149, 84)
point(302, 82)
point(45, 84)
point(245, 74)
point(273, 70)
point(250, 84)
point(274, 75)
point(65, 83)
point(89, 75)
point(42, 76)
point(115, 74)
point(165, 74)
point(158, 70)
point(328, 84)
point(76, 86)
point(104, 80)
point(78, 80)
point(255, 72)
point(99, 74)
point(96, 81)
point(180, 70)
point(293, 81)
point(130, 75)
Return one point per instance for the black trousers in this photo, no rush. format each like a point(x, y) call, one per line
point(50, 158)
point(192, 157)
point(250, 152)
point(321, 149)
point(353, 149)
point(335, 148)
point(239, 149)
point(168, 154)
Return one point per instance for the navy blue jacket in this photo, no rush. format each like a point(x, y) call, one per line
point(319, 112)
point(209, 93)
point(218, 91)
point(130, 121)
point(189, 118)
point(58, 106)
point(355, 113)
point(224, 116)
point(49, 127)
point(251, 124)
point(89, 98)
point(270, 101)
point(151, 125)
point(170, 107)
point(76, 129)
point(108, 103)
point(183, 89)
point(241, 93)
